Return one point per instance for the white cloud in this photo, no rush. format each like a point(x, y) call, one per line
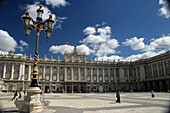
point(4, 52)
point(93, 39)
point(143, 55)
point(21, 48)
point(89, 30)
point(97, 25)
point(113, 43)
point(104, 50)
point(19, 54)
point(84, 49)
point(56, 3)
point(165, 10)
point(23, 43)
point(135, 43)
point(162, 43)
point(100, 41)
point(69, 49)
point(7, 42)
point(131, 57)
point(61, 49)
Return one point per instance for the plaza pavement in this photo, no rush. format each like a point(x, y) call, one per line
point(97, 103)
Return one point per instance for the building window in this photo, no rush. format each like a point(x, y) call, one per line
point(88, 78)
point(101, 78)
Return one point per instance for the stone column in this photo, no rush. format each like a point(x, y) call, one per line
point(164, 68)
point(142, 72)
point(152, 70)
point(85, 73)
point(128, 74)
point(58, 74)
point(136, 73)
point(168, 84)
point(20, 72)
point(79, 75)
point(65, 88)
point(109, 75)
point(43, 76)
point(51, 73)
point(103, 75)
point(91, 74)
point(115, 80)
point(65, 73)
point(23, 71)
point(97, 74)
point(12, 72)
point(4, 71)
point(72, 88)
point(72, 73)
point(121, 75)
point(29, 72)
point(79, 85)
point(157, 69)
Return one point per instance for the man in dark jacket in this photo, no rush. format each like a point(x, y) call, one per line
point(15, 95)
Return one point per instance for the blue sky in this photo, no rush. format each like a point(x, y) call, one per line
point(103, 29)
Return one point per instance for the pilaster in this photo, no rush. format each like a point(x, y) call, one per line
point(157, 69)
point(128, 74)
point(72, 73)
point(164, 68)
point(29, 72)
point(23, 71)
point(12, 72)
point(58, 74)
point(65, 73)
point(20, 72)
point(4, 71)
point(97, 74)
point(43, 76)
point(152, 71)
point(103, 75)
point(79, 77)
point(85, 73)
point(121, 75)
point(91, 74)
point(109, 75)
point(51, 72)
point(115, 80)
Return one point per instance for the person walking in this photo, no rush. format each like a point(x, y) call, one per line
point(118, 97)
point(15, 96)
point(20, 94)
point(152, 94)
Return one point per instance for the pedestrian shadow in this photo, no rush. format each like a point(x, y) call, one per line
point(112, 103)
point(10, 111)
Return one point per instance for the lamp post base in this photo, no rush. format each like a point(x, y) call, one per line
point(32, 102)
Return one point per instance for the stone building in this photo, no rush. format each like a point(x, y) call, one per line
point(75, 74)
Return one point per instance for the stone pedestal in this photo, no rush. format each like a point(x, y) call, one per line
point(32, 102)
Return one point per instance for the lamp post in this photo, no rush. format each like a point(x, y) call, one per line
point(32, 101)
point(38, 25)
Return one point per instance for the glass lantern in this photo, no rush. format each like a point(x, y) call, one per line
point(40, 11)
point(50, 22)
point(28, 31)
point(48, 34)
point(26, 19)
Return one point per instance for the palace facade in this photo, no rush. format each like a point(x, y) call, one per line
point(74, 74)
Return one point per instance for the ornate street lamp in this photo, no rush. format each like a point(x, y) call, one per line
point(38, 25)
point(32, 101)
